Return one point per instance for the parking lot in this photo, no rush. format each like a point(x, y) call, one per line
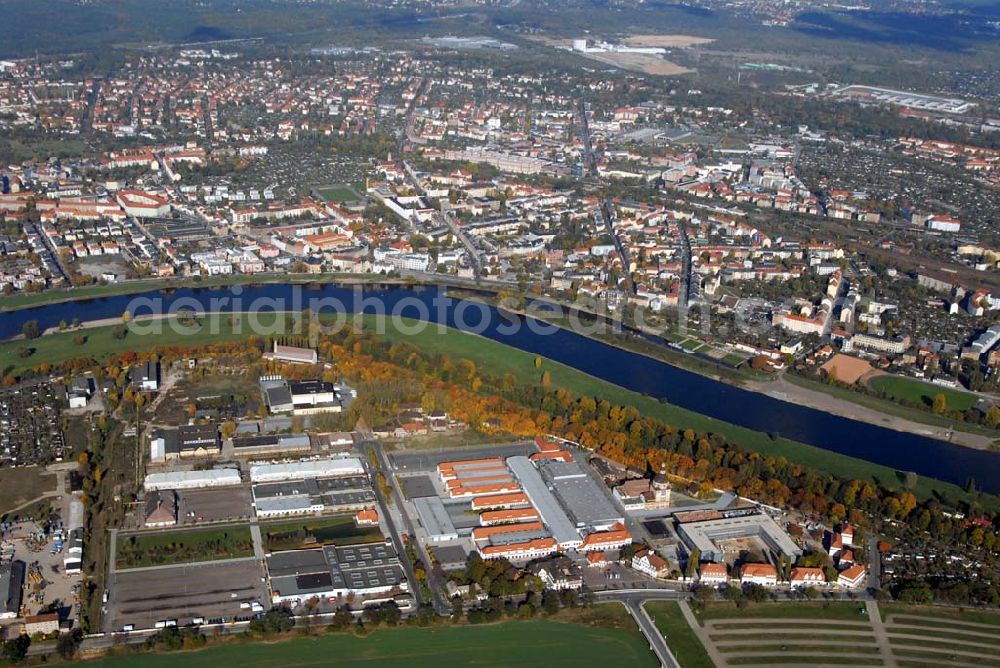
point(416, 486)
point(223, 590)
point(412, 462)
point(214, 505)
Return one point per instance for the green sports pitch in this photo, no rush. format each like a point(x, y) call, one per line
point(338, 194)
point(922, 392)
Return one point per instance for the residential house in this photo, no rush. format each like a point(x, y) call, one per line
point(853, 577)
point(648, 562)
point(806, 577)
point(761, 574)
point(713, 574)
point(558, 573)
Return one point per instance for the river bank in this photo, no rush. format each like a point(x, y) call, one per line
point(709, 402)
point(781, 388)
point(13, 303)
point(498, 358)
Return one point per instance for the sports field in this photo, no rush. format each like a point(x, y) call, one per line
point(923, 393)
point(542, 643)
point(338, 194)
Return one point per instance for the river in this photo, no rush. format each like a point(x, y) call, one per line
point(898, 450)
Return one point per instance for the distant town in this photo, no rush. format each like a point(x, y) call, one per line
point(781, 419)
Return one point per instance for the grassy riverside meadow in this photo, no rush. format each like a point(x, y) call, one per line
point(924, 392)
point(492, 357)
point(614, 641)
point(634, 344)
point(890, 407)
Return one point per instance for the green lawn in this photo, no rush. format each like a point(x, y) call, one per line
point(943, 634)
point(692, 344)
point(339, 530)
point(733, 359)
point(842, 610)
point(805, 658)
point(40, 149)
point(181, 547)
point(338, 194)
point(100, 342)
point(542, 643)
point(680, 637)
point(22, 484)
point(791, 646)
point(917, 390)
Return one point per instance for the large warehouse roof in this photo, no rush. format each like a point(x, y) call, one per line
point(554, 517)
point(578, 493)
point(192, 479)
point(434, 518)
point(320, 468)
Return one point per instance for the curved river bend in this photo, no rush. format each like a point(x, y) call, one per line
point(899, 450)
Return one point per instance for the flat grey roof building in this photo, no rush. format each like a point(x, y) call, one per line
point(330, 571)
point(417, 486)
point(11, 586)
point(553, 516)
point(451, 557)
point(434, 518)
point(310, 486)
point(586, 504)
point(515, 537)
point(312, 495)
point(705, 535)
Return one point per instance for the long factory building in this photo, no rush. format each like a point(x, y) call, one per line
point(531, 506)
